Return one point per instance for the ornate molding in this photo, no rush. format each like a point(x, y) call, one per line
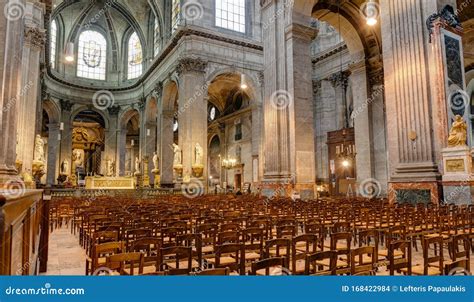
point(35, 37)
point(376, 77)
point(316, 86)
point(66, 105)
point(158, 90)
point(261, 78)
point(191, 65)
point(447, 18)
point(301, 31)
point(339, 78)
point(329, 53)
point(114, 110)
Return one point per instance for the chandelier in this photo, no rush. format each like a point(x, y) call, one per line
point(229, 163)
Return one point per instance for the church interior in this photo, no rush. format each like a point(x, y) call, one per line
point(236, 137)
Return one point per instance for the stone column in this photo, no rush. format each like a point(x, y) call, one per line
point(410, 96)
point(121, 151)
point(66, 135)
point(192, 113)
point(362, 116)
point(11, 35)
point(53, 151)
point(111, 139)
point(150, 147)
point(166, 149)
point(339, 81)
point(34, 42)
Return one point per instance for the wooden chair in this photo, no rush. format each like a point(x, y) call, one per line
point(194, 241)
point(99, 253)
point(150, 248)
point(125, 263)
point(363, 261)
point(280, 247)
point(253, 239)
point(459, 267)
point(214, 272)
point(400, 257)
point(314, 267)
point(432, 264)
point(301, 246)
point(343, 250)
point(231, 255)
point(176, 260)
point(459, 249)
point(277, 263)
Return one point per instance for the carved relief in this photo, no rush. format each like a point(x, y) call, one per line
point(35, 37)
point(191, 65)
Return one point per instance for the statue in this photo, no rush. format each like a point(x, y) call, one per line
point(77, 157)
point(458, 133)
point(65, 167)
point(177, 155)
point(198, 155)
point(108, 167)
point(39, 149)
point(137, 165)
point(155, 161)
point(112, 167)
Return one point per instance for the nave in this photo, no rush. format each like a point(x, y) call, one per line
point(247, 235)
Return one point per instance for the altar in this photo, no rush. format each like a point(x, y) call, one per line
point(96, 182)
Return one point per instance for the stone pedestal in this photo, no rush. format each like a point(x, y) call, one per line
point(178, 170)
point(157, 180)
point(146, 177)
point(198, 171)
point(457, 174)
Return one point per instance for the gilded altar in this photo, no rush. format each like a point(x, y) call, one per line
point(94, 182)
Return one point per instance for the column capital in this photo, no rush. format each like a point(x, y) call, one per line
point(114, 110)
point(35, 37)
point(158, 89)
point(167, 113)
point(66, 105)
point(316, 86)
point(301, 31)
point(191, 64)
point(339, 78)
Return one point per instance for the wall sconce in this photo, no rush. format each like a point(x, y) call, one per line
point(61, 126)
point(243, 83)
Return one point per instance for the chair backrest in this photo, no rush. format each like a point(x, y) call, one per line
point(315, 263)
point(180, 255)
point(267, 264)
point(460, 247)
point(235, 251)
point(404, 260)
point(369, 238)
point(363, 265)
point(433, 254)
point(459, 267)
point(299, 251)
point(193, 240)
point(125, 263)
point(279, 244)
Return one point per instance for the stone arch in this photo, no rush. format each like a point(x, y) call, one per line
point(53, 111)
point(170, 95)
point(103, 114)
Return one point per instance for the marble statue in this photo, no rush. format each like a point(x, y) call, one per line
point(177, 155)
point(65, 167)
point(198, 155)
point(137, 165)
point(458, 133)
point(78, 159)
point(108, 167)
point(155, 161)
point(112, 167)
point(39, 149)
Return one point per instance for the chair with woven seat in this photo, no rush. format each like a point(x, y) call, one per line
point(230, 255)
point(363, 261)
point(177, 260)
point(253, 239)
point(432, 258)
point(194, 241)
point(99, 252)
point(400, 257)
point(459, 249)
point(279, 247)
point(126, 263)
point(301, 246)
point(343, 250)
point(150, 247)
point(270, 266)
point(459, 267)
point(313, 266)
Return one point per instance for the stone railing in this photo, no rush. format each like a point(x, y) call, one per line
point(141, 193)
point(23, 233)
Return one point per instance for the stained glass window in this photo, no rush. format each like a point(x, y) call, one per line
point(52, 43)
point(156, 38)
point(134, 57)
point(230, 14)
point(91, 58)
point(175, 15)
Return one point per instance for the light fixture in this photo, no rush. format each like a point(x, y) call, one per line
point(371, 12)
point(69, 56)
point(345, 163)
point(243, 84)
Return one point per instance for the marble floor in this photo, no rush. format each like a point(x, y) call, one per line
point(66, 257)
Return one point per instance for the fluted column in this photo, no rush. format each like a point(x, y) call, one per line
point(34, 42)
point(111, 139)
point(11, 35)
point(53, 151)
point(66, 137)
point(192, 113)
point(166, 148)
point(339, 81)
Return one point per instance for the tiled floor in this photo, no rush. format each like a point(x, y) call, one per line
point(66, 256)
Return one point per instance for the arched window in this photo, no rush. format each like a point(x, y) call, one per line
point(230, 14)
point(91, 57)
point(156, 38)
point(52, 43)
point(134, 69)
point(175, 14)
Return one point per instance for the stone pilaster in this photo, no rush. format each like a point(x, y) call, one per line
point(192, 112)
point(34, 42)
point(66, 134)
point(111, 139)
point(339, 81)
point(166, 148)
